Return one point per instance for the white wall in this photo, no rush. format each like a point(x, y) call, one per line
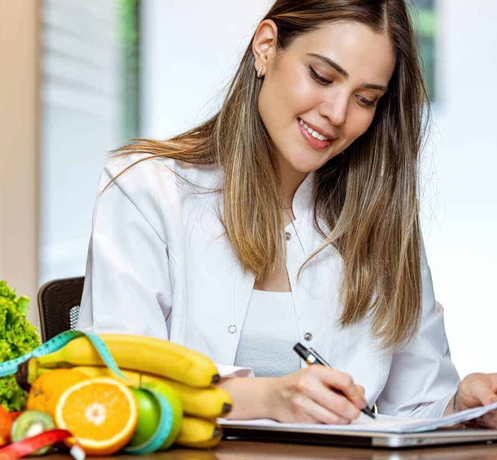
point(461, 213)
point(190, 50)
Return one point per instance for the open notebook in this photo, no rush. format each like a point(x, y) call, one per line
point(364, 424)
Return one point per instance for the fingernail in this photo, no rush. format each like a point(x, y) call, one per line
point(364, 404)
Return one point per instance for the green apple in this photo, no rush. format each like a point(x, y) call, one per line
point(148, 417)
point(165, 390)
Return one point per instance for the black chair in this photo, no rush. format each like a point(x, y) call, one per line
point(58, 305)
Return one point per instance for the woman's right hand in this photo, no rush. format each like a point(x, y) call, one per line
point(312, 395)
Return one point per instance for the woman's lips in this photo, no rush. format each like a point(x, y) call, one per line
point(312, 141)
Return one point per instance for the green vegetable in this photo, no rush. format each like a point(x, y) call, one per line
point(17, 337)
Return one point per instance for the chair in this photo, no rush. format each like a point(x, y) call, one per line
point(58, 305)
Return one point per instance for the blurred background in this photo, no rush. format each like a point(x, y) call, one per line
point(81, 77)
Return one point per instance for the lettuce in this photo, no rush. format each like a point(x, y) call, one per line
point(17, 337)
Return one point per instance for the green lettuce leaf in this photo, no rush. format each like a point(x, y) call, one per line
point(17, 337)
point(12, 396)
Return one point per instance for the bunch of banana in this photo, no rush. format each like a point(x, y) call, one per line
point(139, 353)
point(146, 359)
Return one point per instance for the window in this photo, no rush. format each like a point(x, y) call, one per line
point(89, 106)
point(427, 29)
point(130, 52)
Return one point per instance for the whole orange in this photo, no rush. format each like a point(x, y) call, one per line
point(46, 389)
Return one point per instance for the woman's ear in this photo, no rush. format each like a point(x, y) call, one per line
point(264, 45)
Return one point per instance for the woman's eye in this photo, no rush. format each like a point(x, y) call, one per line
point(321, 80)
point(367, 102)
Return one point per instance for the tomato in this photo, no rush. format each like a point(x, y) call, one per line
point(5, 425)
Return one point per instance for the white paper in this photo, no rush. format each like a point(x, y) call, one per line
point(382, 423)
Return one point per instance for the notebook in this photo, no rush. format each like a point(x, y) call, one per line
point(384, 431)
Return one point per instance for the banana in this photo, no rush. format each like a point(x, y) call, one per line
point(133, 378)
point(200, 402)
point(199, 433)
point(137, 353)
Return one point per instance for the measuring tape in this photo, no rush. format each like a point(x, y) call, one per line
point(162, 431)
point(29, 445)
point(59, 341)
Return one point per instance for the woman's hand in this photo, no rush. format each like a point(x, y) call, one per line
point(312, 395)
point(478, 390)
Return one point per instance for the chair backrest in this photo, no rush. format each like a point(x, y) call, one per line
point(58, 305)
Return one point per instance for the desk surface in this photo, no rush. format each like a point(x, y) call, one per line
point(242, 450)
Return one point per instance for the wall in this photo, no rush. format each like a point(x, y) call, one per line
point(190, 50)
point(19, 198)
point(460, 215)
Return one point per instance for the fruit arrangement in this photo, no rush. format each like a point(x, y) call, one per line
point(155, 395)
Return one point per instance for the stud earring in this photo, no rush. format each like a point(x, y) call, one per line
point(259, 73)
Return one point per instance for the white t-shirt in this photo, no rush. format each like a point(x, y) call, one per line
point(268, 335)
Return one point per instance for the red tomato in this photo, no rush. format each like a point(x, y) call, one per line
point(5, 425)
point(14, 415)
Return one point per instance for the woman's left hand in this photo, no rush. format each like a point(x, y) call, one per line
point(478, 390)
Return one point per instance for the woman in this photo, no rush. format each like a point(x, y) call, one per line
point(291, 215)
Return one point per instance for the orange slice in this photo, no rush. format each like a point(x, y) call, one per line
point(101, 413)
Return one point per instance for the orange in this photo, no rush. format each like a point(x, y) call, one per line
point(101, 413)
point(47, 389)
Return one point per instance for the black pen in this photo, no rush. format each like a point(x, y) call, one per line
point(311, 356)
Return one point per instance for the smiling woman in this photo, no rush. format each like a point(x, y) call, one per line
point(326, 97)
point(304, 184)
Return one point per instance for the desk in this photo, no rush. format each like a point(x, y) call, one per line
point(243, 450)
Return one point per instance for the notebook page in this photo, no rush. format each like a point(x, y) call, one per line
point(382, 423)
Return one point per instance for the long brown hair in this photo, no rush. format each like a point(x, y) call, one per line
point(367, 197)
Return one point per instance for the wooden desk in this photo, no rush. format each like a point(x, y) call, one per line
point(242, 450)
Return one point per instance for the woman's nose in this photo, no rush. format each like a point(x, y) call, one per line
point(335, 109)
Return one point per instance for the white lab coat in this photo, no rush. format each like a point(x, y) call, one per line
point(159, 264)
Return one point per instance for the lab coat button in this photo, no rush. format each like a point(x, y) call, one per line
point(231, 328)
point(288, 236)
point(308, 337)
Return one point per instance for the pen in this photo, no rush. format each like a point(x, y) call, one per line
point(311, 356)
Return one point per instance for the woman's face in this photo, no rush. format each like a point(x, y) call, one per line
point(322, 92)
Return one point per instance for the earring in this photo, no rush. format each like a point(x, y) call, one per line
point(259, 73)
